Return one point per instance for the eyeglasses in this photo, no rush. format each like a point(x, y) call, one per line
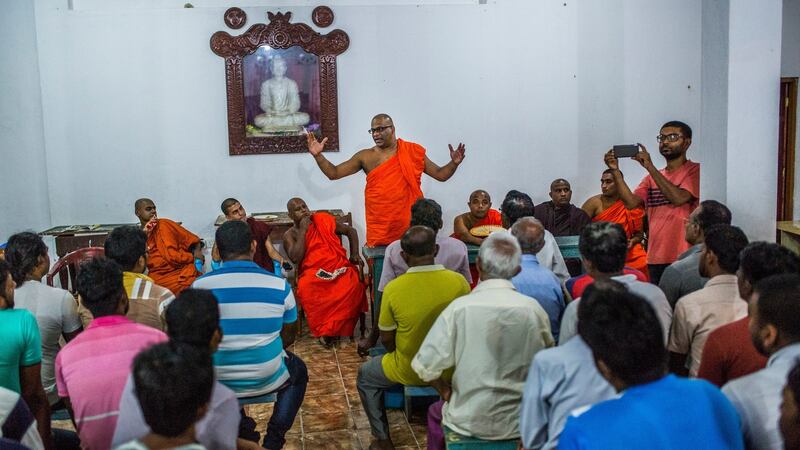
point(668, 137)
point(378, 129)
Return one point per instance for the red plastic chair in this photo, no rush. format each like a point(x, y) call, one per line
point(67, 267)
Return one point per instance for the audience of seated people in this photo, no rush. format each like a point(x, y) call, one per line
point(480, 214)
point(717, 304)
point(487, 338)
point(410, 305)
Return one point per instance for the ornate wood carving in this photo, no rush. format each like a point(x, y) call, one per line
point(235, 18)
point(278, 34)
point(322, 16)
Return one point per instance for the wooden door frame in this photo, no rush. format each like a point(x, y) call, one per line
point(787, 137)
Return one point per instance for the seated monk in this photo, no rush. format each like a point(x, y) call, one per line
point(330, 287)
point(172, 250)
point(607, 207)
point(265, 252)
point(480, 214)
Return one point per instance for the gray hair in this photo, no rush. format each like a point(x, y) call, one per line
point(499, 256)
point(524, 230)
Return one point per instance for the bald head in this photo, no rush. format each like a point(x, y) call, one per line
point(530, 234)
point(382, 117)
point(145, 209)
point(141, 203)
point(419, 241)
point(297, 209)
point(560, 192)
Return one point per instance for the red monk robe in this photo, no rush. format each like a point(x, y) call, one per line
point(493, 217)
point(391, 189)
point(631, 221)
point(169, 262)
point(328, 286)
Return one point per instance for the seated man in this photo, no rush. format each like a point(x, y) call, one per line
point(265, 252)
point(518, 204)
point(411, 303)
point(173, 252)
point(259, 321)
point(534, 280)
point(717, 304)
point(562, 379)
point(91, 370)
point(562, 218)
point(654, 410)
point(480, 214)
point(607, 207)
point(21, 355)
point(173, 385)
point(329, 286)
point(55, 309)
point(485, 355)
point(774, 308)
point(683, 276)
point(193, 320)
point(127, 246)
point(603, 246)
point(729, 352)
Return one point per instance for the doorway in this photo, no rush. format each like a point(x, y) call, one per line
point(786, 148)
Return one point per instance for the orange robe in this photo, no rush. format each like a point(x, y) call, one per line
point(493, 217)
point(170, 263)
point(391, 189)
point(631, 221)
point(328, 286)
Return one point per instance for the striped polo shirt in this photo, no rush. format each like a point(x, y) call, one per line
point(253, 304)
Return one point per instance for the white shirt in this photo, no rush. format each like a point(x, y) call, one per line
point(56, 313)
point(550, 256)
point(650, 292)
point(757, 398)
point(490, 337)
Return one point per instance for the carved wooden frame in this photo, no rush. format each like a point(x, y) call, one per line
point(278, 34)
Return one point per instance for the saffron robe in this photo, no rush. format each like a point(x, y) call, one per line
point(391, 189)
point(328, 286)
point(170, 263)
point(632, 220)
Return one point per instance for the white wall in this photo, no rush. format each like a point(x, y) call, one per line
point(24, 199)
point(790, 67)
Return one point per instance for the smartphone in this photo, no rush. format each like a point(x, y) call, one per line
point(625, 151)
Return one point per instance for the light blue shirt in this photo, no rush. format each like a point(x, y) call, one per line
point(757, 398)
point(543, 285)
point(561, 379)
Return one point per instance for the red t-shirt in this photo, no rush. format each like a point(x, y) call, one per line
point(665, 237)
point(729, 354)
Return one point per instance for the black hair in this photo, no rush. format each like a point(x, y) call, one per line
point(193, 317)
point(419, 240)
point(427, 212)
point(779, 303)
point(22, 253)
point(172, 382)
point(712, 213)
point(5, 271)
point(622, 330)
point(99, 283)
point(605, 245)
point(515, 205)
point(233, 239)
point(686, 130)
point(761, 259)
point(126, 245)
point(227, 203)
point(726, 241)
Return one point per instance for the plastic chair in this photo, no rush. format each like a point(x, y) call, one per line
point(67, 267)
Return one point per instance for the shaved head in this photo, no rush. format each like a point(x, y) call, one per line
point(557, 182)
point(293, 201)
point(227, 203)
point(145, 209)
point(480, 192)
point(383, 116)
point(141, 203)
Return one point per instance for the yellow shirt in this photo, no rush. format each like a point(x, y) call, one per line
point(411, 303)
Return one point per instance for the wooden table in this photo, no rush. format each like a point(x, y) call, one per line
point(72, 237)
point(790, 235)
point(281, 222)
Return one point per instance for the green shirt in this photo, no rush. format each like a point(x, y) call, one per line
point(21, 345)
point(411, 303)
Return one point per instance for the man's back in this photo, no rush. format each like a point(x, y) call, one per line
point(21, 345)
point(670, 413)
point(452, 255)
point(729, 354)
point(146, 299)
point(254, 304)
point(683, 276)
point(542, 285)
point(411, 303)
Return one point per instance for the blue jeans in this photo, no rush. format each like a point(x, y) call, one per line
point(290, 397)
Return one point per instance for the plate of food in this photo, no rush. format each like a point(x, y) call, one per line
point(265, 216)
point(485, 230)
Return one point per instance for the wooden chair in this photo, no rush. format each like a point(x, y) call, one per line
point(67, 267)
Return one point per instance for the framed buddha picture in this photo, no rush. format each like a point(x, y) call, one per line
point(280, 84)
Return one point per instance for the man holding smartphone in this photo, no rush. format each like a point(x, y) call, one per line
point(669, 195)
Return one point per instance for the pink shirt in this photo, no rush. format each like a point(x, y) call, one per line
point(92, 370)
point(666, 236)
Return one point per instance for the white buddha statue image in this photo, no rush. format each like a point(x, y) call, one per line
point(280, 101)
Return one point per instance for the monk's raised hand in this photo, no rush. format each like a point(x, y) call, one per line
point(314, 146)
point(611, 160)
point(643, 157)
point(457, 155)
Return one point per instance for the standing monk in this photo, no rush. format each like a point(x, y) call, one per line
point(329, 287)
point(607, 207)
point(394, 168)
point(480, 214)
point(171, 249)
